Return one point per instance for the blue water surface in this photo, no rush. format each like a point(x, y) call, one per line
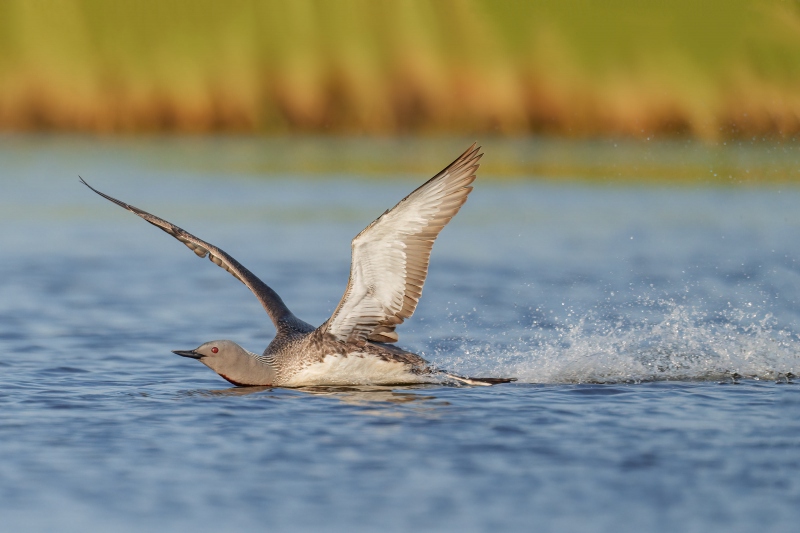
point(653, 329)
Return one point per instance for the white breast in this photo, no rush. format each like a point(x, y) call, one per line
point(355, 369)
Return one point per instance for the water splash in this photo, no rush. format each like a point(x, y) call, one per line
point(682, 343)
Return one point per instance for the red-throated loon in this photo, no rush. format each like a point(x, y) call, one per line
point(388, 268)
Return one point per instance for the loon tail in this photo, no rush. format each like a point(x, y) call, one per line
point(483, 382)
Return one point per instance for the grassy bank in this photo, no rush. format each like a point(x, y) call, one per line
point(711, 69)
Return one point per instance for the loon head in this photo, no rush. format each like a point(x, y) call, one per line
point(232, 362)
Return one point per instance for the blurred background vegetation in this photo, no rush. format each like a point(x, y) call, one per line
point(710, 69)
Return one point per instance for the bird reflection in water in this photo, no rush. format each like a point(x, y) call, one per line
point(364, 396)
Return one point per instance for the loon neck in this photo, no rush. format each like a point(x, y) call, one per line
point(246, 369)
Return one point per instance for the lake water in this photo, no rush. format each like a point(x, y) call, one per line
point(654, 331)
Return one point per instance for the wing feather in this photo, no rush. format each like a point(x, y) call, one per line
point(272, 303)
point(390, 257)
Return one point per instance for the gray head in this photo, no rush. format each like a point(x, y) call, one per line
point(232, 362)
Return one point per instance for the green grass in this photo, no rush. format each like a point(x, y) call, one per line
point(711, 69)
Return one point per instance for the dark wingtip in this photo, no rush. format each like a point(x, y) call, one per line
point(84, 182)
point(111, 198)
point(473, 154)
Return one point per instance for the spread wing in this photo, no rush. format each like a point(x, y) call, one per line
point(390, 257)
point(277, 310)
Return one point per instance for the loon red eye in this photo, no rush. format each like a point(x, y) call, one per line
point(214, 349)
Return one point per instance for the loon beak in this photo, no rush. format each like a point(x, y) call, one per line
point(188, 353)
